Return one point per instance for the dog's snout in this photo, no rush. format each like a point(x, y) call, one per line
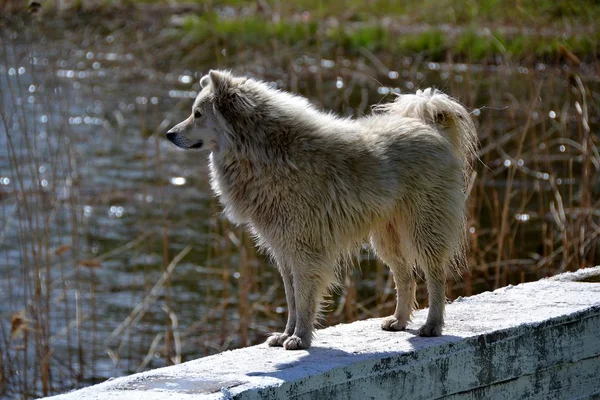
point(171, 135)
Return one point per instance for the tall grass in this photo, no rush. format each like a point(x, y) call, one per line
point(86, 296)
point(39, 192)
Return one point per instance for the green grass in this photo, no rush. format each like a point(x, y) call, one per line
point(371, 37)
point(473, 44)
point(352, 25)
point(250, 30)
point(439, 11)
point(433, 43)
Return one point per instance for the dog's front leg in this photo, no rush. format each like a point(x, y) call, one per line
point(277, 339)
point(309, 288)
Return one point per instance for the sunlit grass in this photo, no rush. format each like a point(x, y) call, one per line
point(473, 44)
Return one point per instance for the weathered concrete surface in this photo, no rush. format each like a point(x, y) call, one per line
point(538, 340)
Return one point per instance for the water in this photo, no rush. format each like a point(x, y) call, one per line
point(95, 203)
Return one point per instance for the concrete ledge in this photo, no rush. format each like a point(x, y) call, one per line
point(537, 340)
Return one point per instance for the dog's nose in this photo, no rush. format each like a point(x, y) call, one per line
point(171, 135)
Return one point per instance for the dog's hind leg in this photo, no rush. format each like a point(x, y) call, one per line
point(387, 245)
point(433, 235)
point(436, 289)
point(310, 285)
point(277, 339)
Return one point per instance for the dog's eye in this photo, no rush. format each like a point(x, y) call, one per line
point(197, 114)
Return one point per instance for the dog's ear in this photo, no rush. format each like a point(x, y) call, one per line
point(229, 93)
point(205, 81)
point(221, 82)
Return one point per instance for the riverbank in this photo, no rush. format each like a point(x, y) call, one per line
point(452, 31)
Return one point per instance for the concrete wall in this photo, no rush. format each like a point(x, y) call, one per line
point(538, 340)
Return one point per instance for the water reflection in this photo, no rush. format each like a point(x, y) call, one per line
point(178, 181)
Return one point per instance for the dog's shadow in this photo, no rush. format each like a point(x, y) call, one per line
point(321, 359)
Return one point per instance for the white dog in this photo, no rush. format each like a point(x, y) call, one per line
point(311, 187)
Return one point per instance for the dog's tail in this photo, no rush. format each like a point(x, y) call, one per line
point(448, 115)
point(453, 120)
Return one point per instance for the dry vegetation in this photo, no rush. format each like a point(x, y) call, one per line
point(534, 204)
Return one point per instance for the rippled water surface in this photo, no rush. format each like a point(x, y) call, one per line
point(95, 204)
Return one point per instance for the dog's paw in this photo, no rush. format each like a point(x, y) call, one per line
point(429, 330)
point(277, 339)
point(393, 324)
point(295, 343)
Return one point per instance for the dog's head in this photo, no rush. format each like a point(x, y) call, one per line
point(206, 127)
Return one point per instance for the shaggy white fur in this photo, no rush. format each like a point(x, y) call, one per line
point(311, 187)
